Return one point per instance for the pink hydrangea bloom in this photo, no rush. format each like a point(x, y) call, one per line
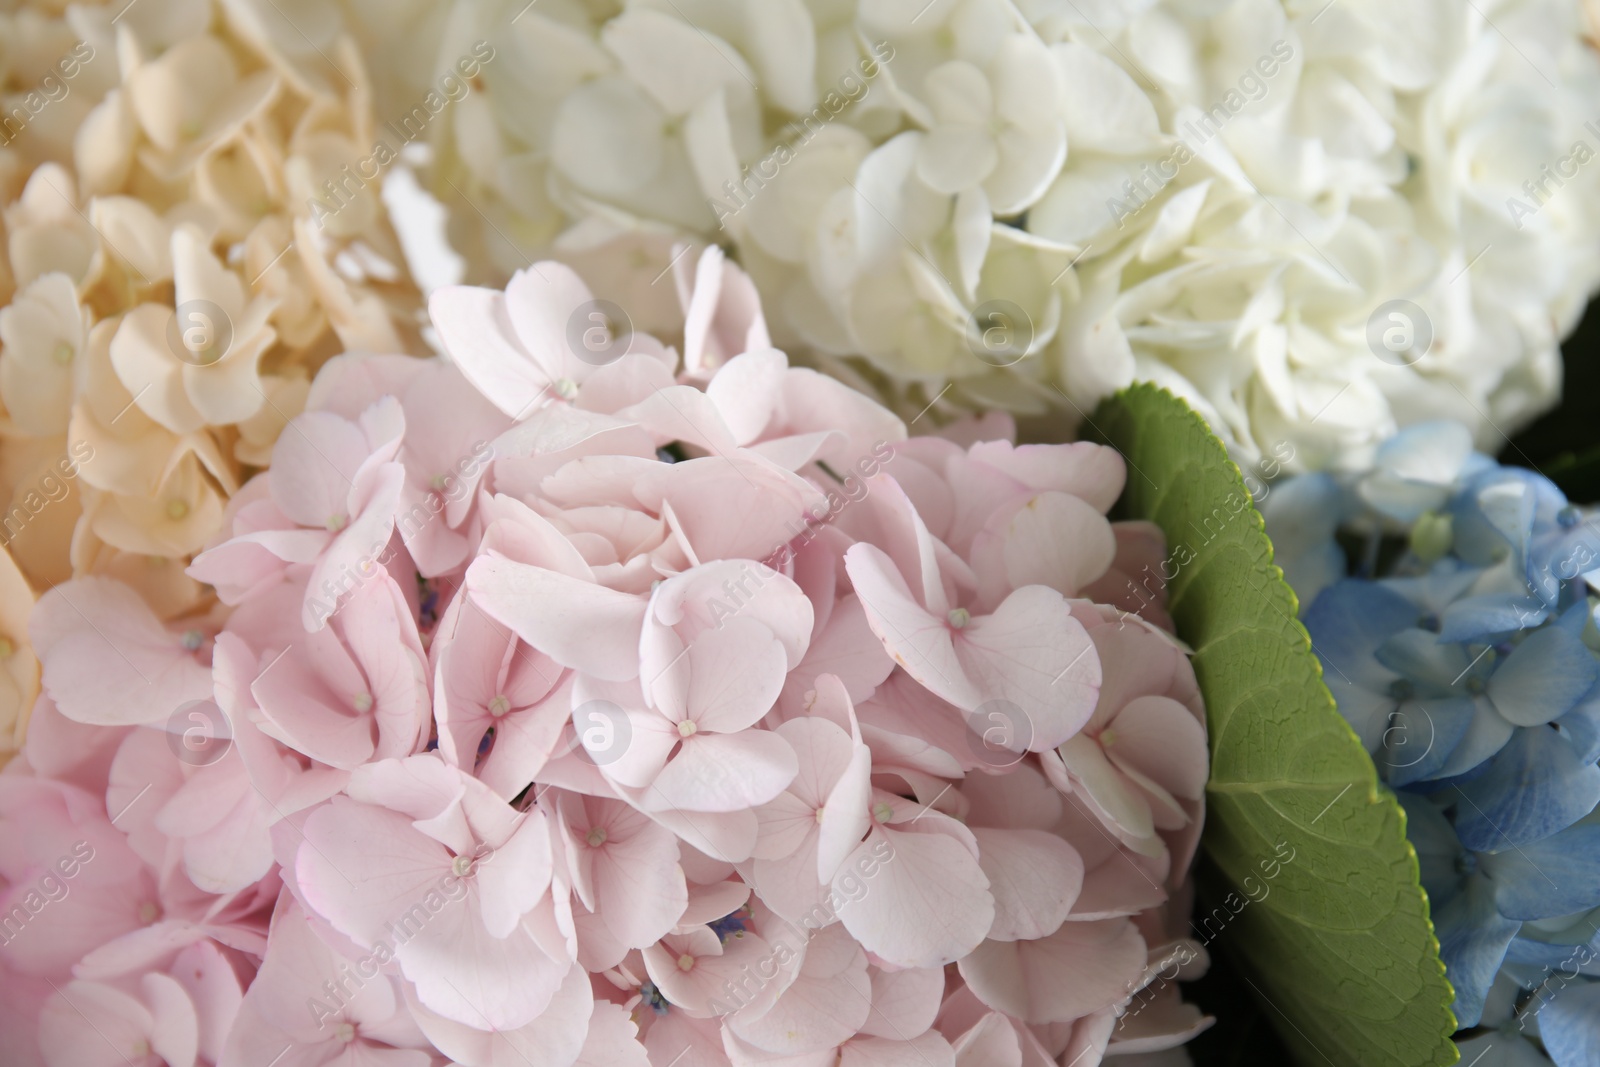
point(588, 707)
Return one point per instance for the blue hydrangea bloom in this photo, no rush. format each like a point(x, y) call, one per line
point(1456, 630)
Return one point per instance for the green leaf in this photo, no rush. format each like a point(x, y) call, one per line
point(1337, 943)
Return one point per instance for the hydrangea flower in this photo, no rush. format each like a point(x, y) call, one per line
point(723, 723)
point(1313, 234)
point(167, 278)
point(1468, 662)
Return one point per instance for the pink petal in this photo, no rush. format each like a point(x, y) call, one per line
point(828, 1001)
point(115, 1022)
point(1054, 539)
point(541, 302)
point(735, 675)
point(464, 973)
point(991, 1041)
point(107, 659)
point(903, 1002)
point(926, 902)
point(1123, 804)
point(726, 772)
point(925, 1050)
point(1035, 878)
point(1161, 738)
point(1081, 968)
point(1034, 655)
point(313, 465)
point(638, 887)
point(554, 1036)
point(475, 327)
point(578, 624)
point(612, 1040)
point(363, 868)
point(746, 389)
point(351, 559)
point(917, 640)
point(512, 879)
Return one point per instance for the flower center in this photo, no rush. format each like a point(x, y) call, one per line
point(959, 618)
point(177, 509)
point(141, 1048)
point(1108, 738)
point(6, 648)
point(337, 522)
point(596, 837)
point(149, 912)
point(1401, 689)
point(819, 813)
point(192, 640)
point(882, 811)
point(63, 353)
point(687, 728)
point(499, 705)
point(439, 482)
point(345, 1032)
point(566, 388)
point(1568, 517)
point(363, 702)
point(685, 962)
point(461, 866)
point(652, 996)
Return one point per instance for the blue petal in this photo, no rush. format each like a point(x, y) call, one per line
point(1302, 514)
point(1535, 787)
point(1446, 582)
point(1472, 941)
point(1558, 875)
point(1487, 615)
point(1415, 470)
point(1543, 678)
point(1422, 657)
point(1436, 845)
point(1347, 623)
point(1575, 619)
point(1557, 558)
point(1486, 735)
point(1569, 1025)
point(1533, 959)
point(1493, 513)
point(1500, 1048)
point(1582, 726)
point(1421, 738)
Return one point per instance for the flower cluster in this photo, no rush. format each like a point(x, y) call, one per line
point(167, 288)
point(1315, 223)
point(569, 705)
point(1471, 670)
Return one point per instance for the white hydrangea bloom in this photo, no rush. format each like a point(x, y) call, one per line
point(1317, 222)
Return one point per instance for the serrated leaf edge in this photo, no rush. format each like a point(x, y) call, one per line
point(1374, 794)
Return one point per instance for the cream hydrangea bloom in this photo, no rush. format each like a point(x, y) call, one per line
point(1030, 204)
point(182, 250)
point(19, 669)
